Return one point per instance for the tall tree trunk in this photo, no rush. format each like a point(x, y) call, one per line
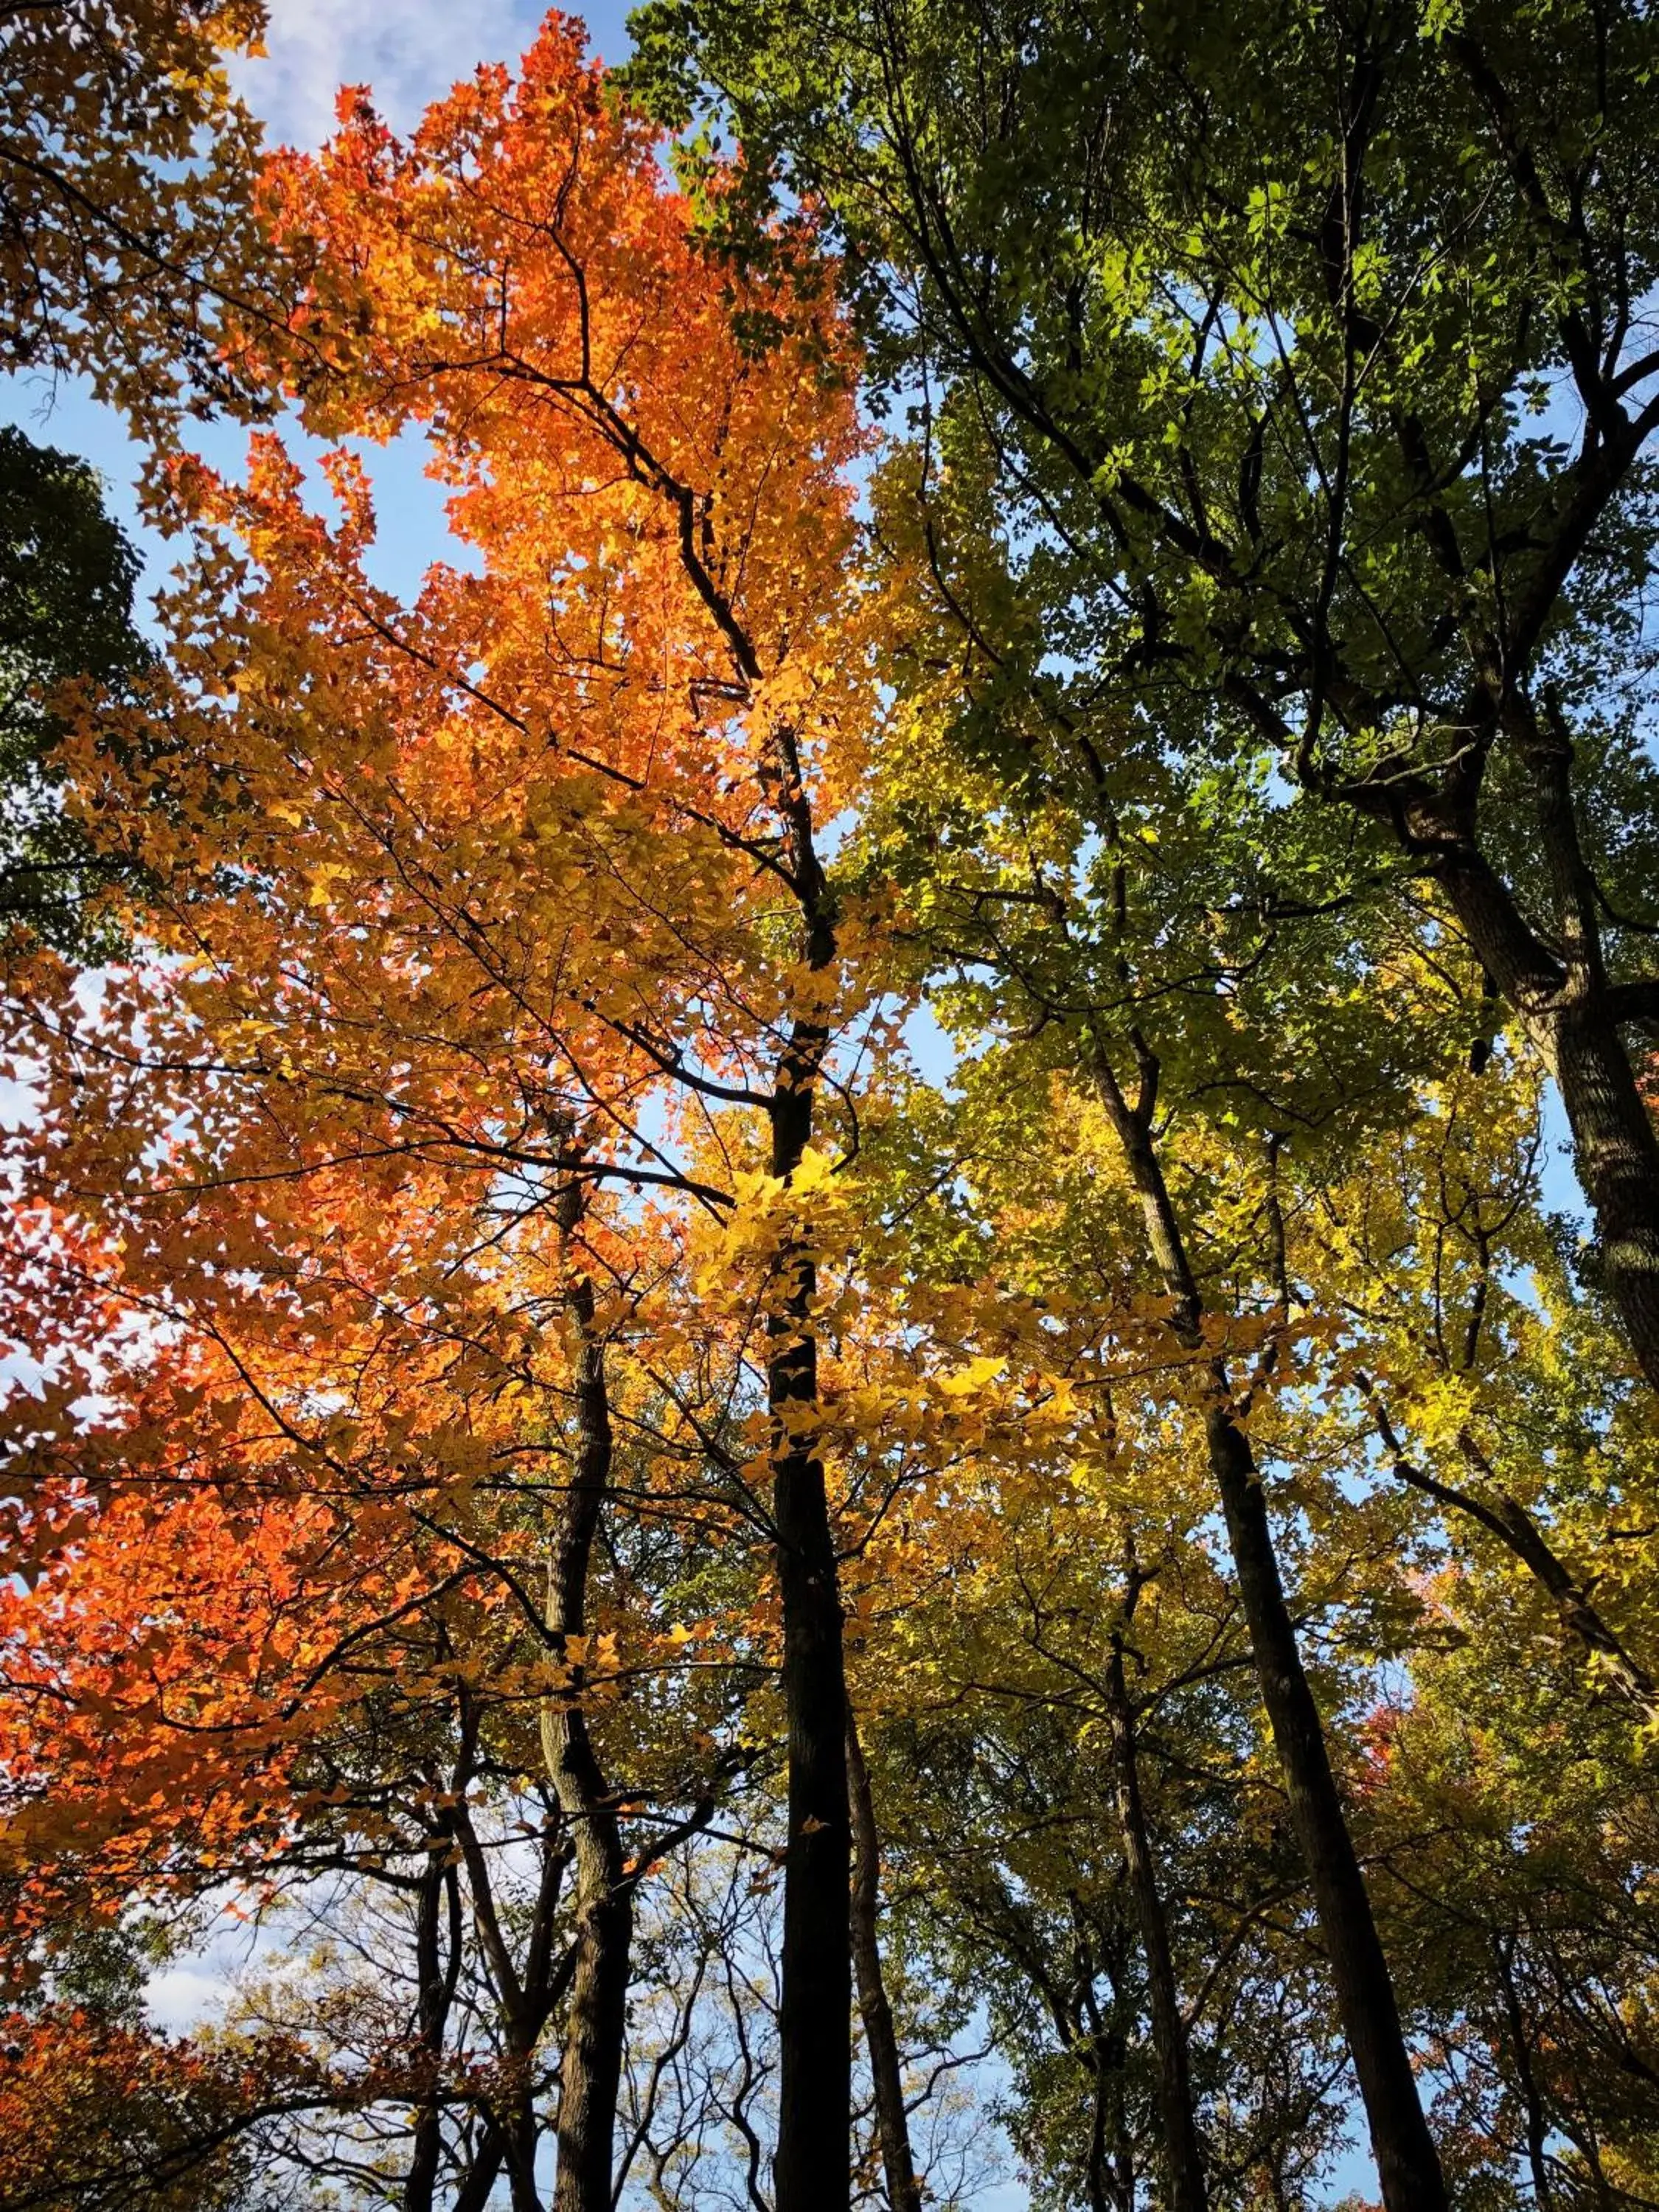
point(596, 2022)
point(1175, 2093)
point(477, 2183)
point(892, 2122)
point(814, 2166)
point(1537, 2122)
point(437, 1976)
point(814, 2172)
point(590, 2070)
point(1574, 1028)
point(1407, 2165)
point(1617, 1157)
point(1571, 1014)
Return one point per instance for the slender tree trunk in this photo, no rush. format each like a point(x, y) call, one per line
point(437, 1978)
point(521, 2143)
point(892, 2122)
point(589, 2069)
point(478, 2182)
point(814, 2166)
point(814, 2161)
point(1407, 2165)
point(1175, 2093)
point(1538, 2131)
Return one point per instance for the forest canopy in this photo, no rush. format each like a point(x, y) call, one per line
point(832, 1300)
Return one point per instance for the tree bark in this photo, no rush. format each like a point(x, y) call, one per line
point(590, 2070)
point(1617, 1158)
point(1574, 1028)
point(1407, 2165)
point(892, 2122)
point(814, 2172)
point(437, 1978)
point(1570, 1012)
point(1175, 2093)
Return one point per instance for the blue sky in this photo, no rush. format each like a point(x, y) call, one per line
point(409, 52)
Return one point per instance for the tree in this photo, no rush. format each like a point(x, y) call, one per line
point(543, 1444)
point(1275, 385)
point(482, 905)
point(126, 206)
point(67, 573)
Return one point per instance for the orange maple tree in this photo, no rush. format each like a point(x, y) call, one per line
point(493, 980)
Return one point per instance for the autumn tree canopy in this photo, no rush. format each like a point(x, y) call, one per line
point(805, 1404)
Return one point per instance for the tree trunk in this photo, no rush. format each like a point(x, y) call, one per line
point(1175, 2093)
point(1407, 2163)
point(1573, 1028)
point(892, 2122)
point(1617, 1157)
point(1408, 2166)
point(437, 1979)
point(590, 2068)
point(1570, 1012)
point(813, 2172)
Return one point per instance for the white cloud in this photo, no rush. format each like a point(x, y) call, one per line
point(410, 51)
point(182, 1998)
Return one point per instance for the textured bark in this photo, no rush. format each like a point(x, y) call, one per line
point(478, 2182)
point(1175, 2093)
point(589, 2069)
point(1573, 1025)
point(1559, 987)
point(892, 2122)
point(814, 2172)
point(1408, 2167)
point(1617, 1157)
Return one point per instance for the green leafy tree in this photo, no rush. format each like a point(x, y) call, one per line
point(1306, 351)
point(66, 572)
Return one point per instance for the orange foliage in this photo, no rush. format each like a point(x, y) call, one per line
point(447, 909)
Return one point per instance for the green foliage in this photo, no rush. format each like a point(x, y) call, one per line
point(66, 572)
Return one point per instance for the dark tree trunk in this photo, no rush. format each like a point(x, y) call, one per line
point(1570, 1012)
point(1574, 1027)
point(892, 2122)
point(1537, 2123)
point(596, 2021)
point(1175, 2093)
point(437, 1978)
point(1617, 1157)
point(1407, 2165)
point(814, 2172)
point(478, 2182)
point(589, 2069)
